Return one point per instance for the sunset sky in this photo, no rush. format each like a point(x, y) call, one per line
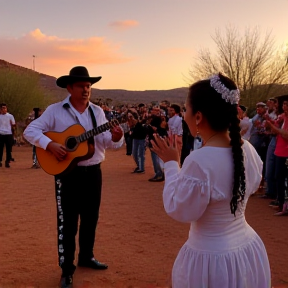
point(132, 44)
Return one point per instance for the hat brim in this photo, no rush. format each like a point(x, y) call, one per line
point(63, 81)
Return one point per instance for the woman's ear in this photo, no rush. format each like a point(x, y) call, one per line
point(199, 117)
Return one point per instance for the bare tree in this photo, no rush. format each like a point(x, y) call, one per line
point(258, 68)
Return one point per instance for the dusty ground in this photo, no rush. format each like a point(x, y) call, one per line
point(134, 236)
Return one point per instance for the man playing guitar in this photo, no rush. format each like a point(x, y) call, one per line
point(77, 188)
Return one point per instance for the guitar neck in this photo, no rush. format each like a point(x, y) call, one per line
point(95, 131)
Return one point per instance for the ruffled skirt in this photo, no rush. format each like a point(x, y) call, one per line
point(246, 266)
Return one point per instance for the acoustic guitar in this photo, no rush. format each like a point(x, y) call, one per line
point(79, 145)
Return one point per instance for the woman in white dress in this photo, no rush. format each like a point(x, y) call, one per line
point(211, 192)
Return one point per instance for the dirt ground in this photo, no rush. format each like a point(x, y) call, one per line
point(134, 237)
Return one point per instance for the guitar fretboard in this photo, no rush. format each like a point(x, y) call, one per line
point(95, 131)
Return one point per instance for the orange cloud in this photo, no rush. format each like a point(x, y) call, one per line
point(123, 25)
point(55, 55)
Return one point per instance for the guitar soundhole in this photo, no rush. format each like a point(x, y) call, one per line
point(71, 143)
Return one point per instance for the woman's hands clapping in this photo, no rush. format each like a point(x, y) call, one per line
point(165, 148)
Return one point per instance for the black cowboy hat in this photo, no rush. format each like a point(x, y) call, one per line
point(78, 73)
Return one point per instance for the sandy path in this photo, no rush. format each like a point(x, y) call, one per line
point(135, 237)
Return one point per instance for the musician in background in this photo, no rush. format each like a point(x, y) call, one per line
point(78, 192)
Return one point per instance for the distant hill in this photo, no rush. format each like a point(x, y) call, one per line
point(121, 96)
point(117, 96)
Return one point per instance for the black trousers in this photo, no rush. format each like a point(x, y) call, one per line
point(280, 176)
point(129, 143)
point(78, 195)
point(6, 140)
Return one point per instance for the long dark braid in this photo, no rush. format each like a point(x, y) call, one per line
point(209, 102)
point(236, 142)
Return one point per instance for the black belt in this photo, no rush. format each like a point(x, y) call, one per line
point(88, 168)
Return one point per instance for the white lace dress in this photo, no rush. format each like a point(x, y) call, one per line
point(222, 251)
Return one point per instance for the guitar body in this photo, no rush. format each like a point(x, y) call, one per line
point(76, 151)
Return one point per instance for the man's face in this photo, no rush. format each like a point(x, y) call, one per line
point(171, 112)
point(80, 91)
point(285, 106)
point(143, 109)
point(163, 104)
point(155, 111)
point(3, 109)
point(260, 110)
point(270, 104)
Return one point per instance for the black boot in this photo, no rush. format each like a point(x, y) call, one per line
point(66, 281)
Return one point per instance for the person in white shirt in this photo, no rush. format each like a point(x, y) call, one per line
point(175, 131)
point(245, 122)
point(271, 108)
point(7, 124)
point(78, 192)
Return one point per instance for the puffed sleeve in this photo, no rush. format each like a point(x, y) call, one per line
point(186, 192)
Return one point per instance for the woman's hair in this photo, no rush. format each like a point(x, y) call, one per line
point(221, 116)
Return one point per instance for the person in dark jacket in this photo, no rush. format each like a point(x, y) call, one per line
point(155, 127)
point(139, 143)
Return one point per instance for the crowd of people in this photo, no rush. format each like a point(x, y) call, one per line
point(267, 132)
point(141, 121)
point(266, 128)
point(213, 200)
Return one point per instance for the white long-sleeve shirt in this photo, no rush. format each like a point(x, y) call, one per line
point(175, 125)
point(57, 118)
point(198, 186)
